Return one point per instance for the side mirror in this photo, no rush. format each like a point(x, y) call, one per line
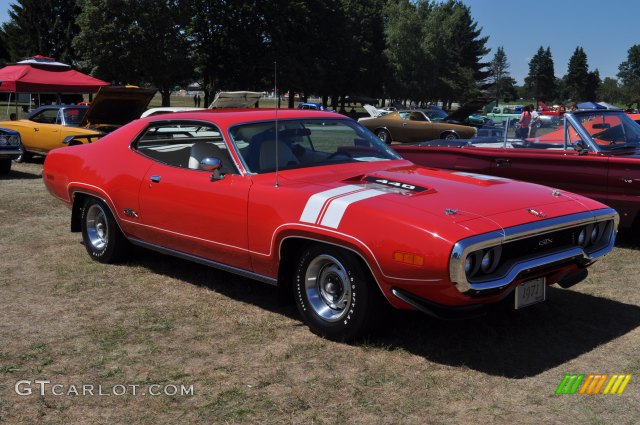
point(212, 165)
point(581, 147)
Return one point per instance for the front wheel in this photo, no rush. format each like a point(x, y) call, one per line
point(101, 235)
point(334, 295)
point(450, 135)
point(384, 135)
point(24, 157)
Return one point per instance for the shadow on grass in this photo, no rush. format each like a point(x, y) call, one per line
point(629, 238)
point(19, 175)
point(513, 344)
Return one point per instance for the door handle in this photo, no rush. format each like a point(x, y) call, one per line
point(155, 179)
point(404, 124)
point(503, 163)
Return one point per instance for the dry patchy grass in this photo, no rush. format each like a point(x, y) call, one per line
point(160, 320)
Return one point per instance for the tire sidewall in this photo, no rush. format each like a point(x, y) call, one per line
point(105, 254)
point(354, 323)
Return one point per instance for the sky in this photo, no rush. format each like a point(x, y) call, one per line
point(605, 29)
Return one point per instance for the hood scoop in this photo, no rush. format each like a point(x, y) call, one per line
point(386, 184)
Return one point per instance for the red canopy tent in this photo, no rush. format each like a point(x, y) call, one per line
point(44, 75)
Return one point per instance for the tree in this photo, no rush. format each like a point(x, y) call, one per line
point(499, 72)
point(629, 74)
point(609, 91)
point(540, 82)
point(41, 27)
point(577, 74)
point(136, 42)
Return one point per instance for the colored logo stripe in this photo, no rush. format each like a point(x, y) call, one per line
point(569, 384)
point(593, 383)
point(617, 384)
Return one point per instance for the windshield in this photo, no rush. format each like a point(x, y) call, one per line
point(611, 131)
point(306, 143)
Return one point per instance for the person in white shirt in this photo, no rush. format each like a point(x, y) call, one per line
point(534, 123)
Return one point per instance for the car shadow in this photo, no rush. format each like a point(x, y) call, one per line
point(19, 175)
point(505, 342)
point(628, 238)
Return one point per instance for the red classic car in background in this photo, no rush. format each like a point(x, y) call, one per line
point(594, 154)
point(314, 202)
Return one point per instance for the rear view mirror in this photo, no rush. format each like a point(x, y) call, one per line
point(601, 126)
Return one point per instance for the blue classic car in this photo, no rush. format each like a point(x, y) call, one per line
point(10, 148)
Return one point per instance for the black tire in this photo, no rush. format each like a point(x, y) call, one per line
point(25, 157)
point(101, 235)
point(325, 285)
point(384, 135)
point(5, 166)
point(449, 135)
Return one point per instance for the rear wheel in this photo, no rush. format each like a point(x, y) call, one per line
point(384, 136)
point(101, 235)
point(335, 296)
point(450, 135)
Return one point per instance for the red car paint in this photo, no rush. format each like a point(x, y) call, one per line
point(402, 220)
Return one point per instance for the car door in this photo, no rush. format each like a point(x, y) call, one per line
point(551, 163)
point(190, 210)
point(45, 134)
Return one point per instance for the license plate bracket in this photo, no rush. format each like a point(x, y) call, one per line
point(530, 292)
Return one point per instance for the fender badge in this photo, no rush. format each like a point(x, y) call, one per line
point(450, 211)
point(538, 214)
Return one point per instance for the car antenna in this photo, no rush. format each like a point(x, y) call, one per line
point(275, 90)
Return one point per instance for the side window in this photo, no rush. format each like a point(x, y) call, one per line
point(416, 116)
point(572, 137)
point(404, 115)
point(47, 116)
point(185, 145)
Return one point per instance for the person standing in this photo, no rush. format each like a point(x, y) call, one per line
point(523, 126)
point(535, 122)
point(195, 100)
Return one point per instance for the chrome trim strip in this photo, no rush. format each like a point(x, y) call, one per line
point(8, 152)
point(463, 247)
point(204, 261)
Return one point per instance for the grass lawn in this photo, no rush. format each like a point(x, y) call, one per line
point(156, 320)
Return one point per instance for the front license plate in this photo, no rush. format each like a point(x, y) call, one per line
point(530, 292)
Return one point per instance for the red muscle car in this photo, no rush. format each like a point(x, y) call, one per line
point(595, 154)
point(314, 202)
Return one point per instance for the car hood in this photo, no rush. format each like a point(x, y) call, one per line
point(481, 202)
point(117, 106)
point(235, 99)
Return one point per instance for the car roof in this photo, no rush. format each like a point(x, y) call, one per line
point(42, 108)
point(229, 117)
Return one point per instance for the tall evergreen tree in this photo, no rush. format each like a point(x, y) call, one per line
point(499, 71)
point(577, 76)
point(541, 79)
point(629, 74)
point(41, 27)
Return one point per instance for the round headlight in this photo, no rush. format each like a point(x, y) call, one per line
point(595, 233)
point(3, 141)
point(582, 237)
point(14, 140)
point(468, 264)
point(487, 261)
